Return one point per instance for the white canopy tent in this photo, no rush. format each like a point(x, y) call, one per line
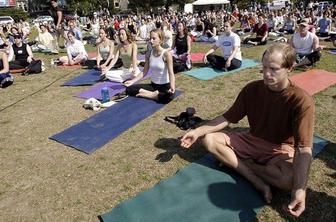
point(211, 2)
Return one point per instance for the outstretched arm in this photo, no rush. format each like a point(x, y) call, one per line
point(214, 125)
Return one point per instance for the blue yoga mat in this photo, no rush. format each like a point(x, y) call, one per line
point(208, 73)
point(332, 51)
point(93, 133)
point(202, 191)
point(89, 77)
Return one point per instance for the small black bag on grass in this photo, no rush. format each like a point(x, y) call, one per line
point(34, 67)
point(186, 120)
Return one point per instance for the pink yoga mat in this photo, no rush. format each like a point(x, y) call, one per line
point(197, 57)
point(315, 80)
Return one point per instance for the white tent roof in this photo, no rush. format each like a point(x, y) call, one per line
point(211, 2)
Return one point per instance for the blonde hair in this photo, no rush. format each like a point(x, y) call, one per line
point(287, 52)
point(159, 33)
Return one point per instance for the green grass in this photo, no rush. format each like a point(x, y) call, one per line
point(49, 181)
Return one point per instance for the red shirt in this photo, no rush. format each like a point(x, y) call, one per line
point(116, 25)
point(261, 31)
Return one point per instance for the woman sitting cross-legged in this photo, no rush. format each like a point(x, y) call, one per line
point(182, 48)
point(44, 41)
point(105, 53)
point(159, 61)
point(260, 31)
point(229, 42)
point(75, 50)
point(127, 52)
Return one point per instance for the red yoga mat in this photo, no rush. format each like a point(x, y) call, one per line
point(314, 81)
point(197, 57)
point(91, 55)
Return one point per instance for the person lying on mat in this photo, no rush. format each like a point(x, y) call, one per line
point(21, 52)
point(159, 61)
point(182, 49)
point(76, 53)
point(105, 53)
point(260, 31)
point(277, 150)
point(229, 43)
point(127, 51)
point(306, 45)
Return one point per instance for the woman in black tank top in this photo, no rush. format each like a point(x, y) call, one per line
point(182, 46)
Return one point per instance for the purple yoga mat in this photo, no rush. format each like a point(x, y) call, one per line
point(95, 91)
point(141, 57)
point(113, 88)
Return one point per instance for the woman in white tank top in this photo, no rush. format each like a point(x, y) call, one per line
point(160, 63)
point(105, 52)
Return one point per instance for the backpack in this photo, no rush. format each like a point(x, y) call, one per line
point(6, 79)
point(36, 66)
point(186, 120)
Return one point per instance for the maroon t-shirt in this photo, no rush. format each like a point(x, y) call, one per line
point(277, 117)
point(261, 31)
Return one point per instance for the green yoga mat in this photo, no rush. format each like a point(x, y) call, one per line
point(208, 73)
point(199, 192)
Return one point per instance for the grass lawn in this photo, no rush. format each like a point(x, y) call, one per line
point(42, 180)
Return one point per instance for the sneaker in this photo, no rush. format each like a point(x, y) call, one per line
point(119, 97)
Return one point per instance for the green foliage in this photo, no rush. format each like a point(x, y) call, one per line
point(145, 4)
point(82, 6)
point(15, 13)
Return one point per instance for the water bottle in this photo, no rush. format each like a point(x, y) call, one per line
point(105, 95)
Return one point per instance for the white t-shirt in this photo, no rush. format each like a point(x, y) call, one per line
point(74, 49)
point(227, 43)
point(303, 45)
point(143, 31)
point(46, 39)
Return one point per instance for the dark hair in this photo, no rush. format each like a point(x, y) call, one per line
point(129, 36)
point(71, 32)
point(185, 29)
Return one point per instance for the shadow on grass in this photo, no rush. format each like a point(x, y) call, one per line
point(171, 147)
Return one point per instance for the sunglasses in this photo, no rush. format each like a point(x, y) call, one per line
point(17, 37)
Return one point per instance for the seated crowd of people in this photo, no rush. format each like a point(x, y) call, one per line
point(168, 41)
point(117, 39)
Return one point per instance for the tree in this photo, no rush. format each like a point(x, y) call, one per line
point(145, 5)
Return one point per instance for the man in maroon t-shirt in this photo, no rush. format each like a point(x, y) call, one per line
point(277, 150)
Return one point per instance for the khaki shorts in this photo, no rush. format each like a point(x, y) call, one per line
point(247, 146)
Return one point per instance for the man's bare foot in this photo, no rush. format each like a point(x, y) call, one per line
point(264, 188)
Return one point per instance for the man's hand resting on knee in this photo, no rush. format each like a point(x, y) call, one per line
point(214, 125)
point(298, 203)
point(189, 138)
